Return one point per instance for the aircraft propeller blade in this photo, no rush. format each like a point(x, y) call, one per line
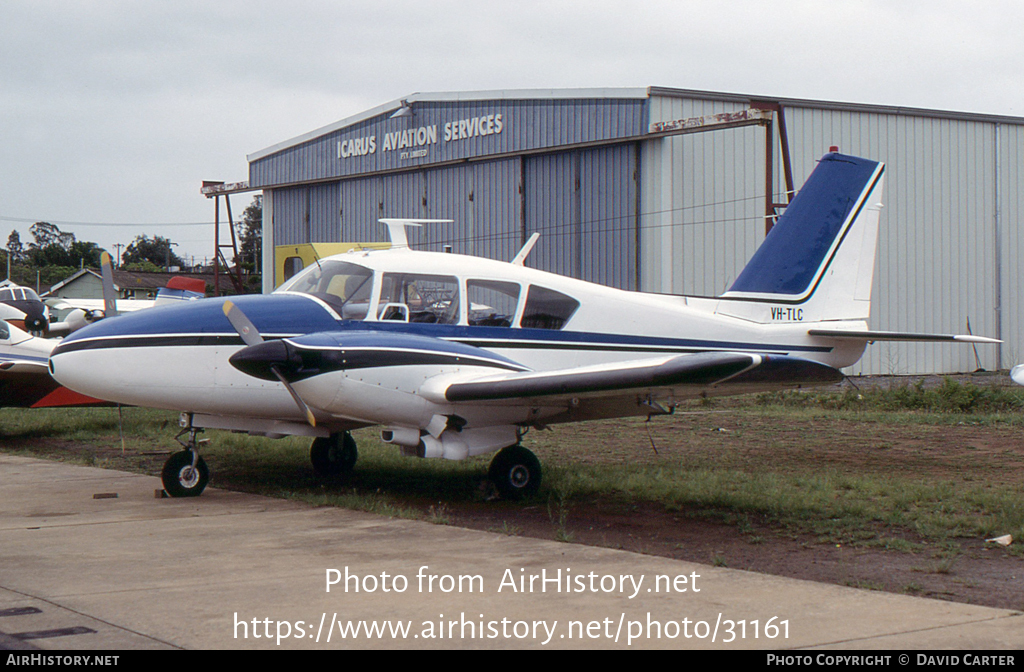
point(295, 395)
point(109, 295)
point(251, 336)
point(242, 324)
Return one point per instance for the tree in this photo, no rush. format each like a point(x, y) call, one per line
point(46, 234)
point(156, 250)
point(250, 236)
point(14, 247)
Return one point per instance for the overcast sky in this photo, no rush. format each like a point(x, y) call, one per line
point(114, 111)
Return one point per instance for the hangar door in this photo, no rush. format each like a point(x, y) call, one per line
point(481, 198)
point(307, 214)
point(584, 205)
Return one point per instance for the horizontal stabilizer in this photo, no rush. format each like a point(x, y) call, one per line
point(695, 371)
point(867, 335)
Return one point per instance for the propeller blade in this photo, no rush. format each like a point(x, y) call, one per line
point(251, 336)
point(242, 324)
point(109, 295)
point(295, 395)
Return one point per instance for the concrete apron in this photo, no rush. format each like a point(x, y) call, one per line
point(237, 571)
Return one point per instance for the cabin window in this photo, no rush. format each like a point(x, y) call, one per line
point(6, 295)
point(343, 286)
point(547, 309)
point(5, 333)
point(431, 299)
point(491, 303)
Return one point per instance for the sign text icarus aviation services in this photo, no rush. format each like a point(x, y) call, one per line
point(421, 137)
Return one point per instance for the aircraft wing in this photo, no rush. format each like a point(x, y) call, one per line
point(654, 378)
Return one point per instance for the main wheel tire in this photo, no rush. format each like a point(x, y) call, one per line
point(180, 479)
point(515, 472)
point(334, 455)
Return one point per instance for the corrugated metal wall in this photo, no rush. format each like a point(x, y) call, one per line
point(1011, 241)
point(307, 214)
point(702, 201)
point(937, 254)
point(482, 198)
point(583, 203)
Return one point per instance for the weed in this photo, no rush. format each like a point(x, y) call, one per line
point(507, 529)
point(438, 515)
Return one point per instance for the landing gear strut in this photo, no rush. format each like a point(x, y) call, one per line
point(515, 472)
point(334, 455)
point(185, 473)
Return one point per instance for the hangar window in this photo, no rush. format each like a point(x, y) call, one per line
point(432, 299)
point(491, 303)
point(547, 309)
point(343, 286)
point(292, 265)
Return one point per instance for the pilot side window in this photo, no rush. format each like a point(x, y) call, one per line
point(343, 286)
point(431, 299)
point(491, 303)
point(547, 309)
point(5, 333)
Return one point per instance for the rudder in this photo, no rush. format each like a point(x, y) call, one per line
point(819, 258)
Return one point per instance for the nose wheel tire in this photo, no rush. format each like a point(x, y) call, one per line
point(181, 479)
point(515, 472)
point(334, 455)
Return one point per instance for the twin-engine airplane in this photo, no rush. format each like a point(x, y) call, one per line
point(457, 356)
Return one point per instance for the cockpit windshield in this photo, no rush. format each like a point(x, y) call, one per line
point(18, 294)
point(344, 286)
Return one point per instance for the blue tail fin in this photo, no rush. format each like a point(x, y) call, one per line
point(824, 243)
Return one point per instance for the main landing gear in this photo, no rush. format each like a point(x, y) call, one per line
point(515, 472)
point(185, 473)
point(334, 455)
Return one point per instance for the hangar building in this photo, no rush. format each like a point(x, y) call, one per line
point(668, 190)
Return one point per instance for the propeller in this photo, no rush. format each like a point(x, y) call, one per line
point(109, 295)
point(251, 336)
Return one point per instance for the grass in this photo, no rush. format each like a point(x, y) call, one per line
point(865, 467)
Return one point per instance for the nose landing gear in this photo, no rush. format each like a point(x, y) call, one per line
point(185, 473)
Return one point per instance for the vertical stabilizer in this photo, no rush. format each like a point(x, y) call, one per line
point(818, 261)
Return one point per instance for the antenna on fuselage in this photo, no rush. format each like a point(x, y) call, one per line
point(396, 228)
point(525, 251)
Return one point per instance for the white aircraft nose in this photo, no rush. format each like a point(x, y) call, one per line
point(1017, 374)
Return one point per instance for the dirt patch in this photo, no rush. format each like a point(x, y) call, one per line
point(977, 573)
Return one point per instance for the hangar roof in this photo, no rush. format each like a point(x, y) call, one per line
point(634, 93)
